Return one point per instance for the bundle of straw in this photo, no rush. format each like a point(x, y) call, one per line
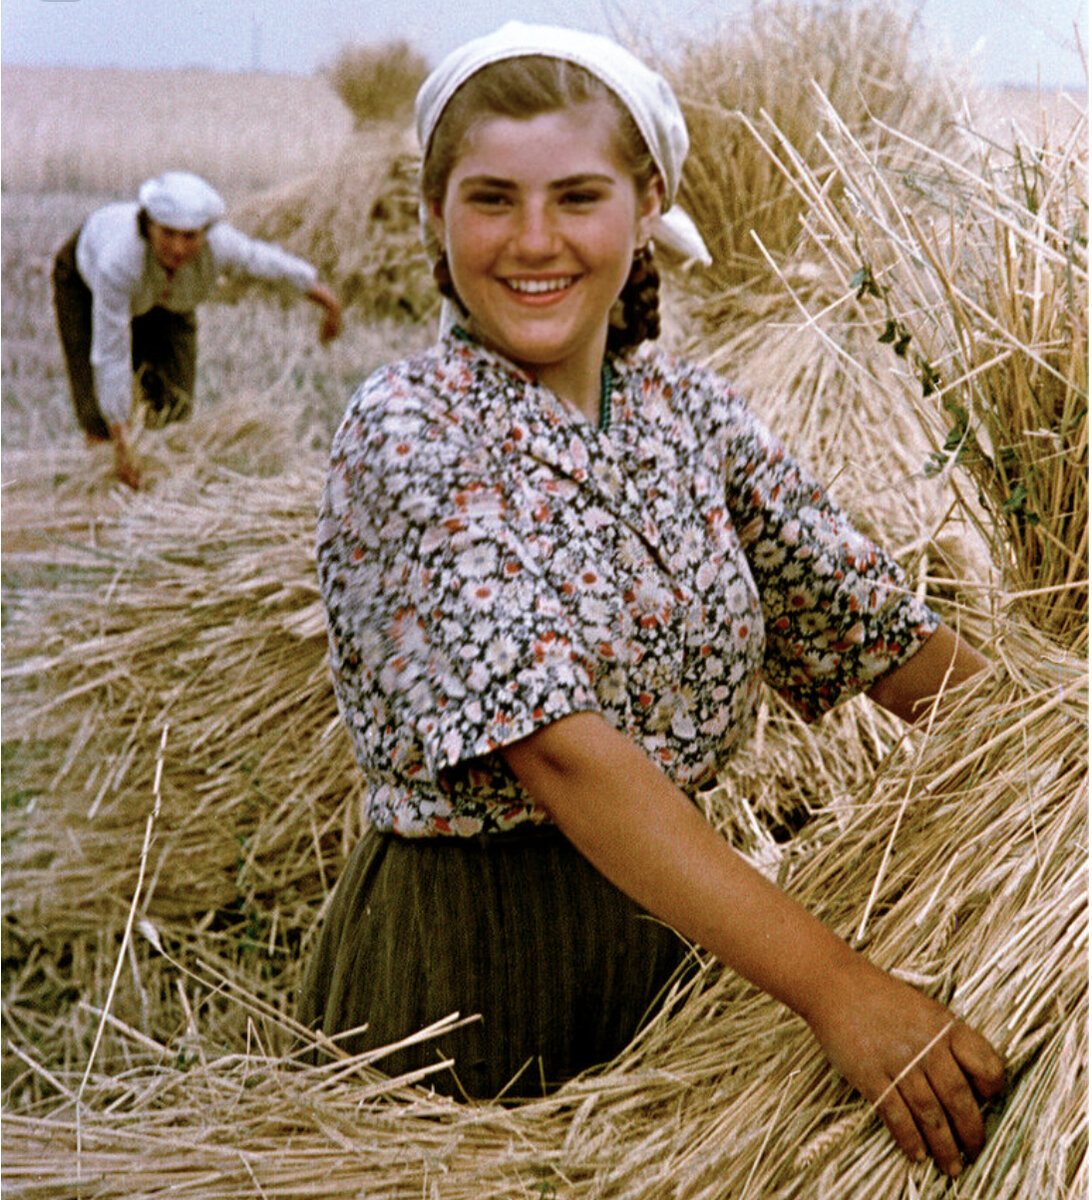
point(976, 279)
point(213, 626)
point(865, 60)
point(357, 221)
point(723, 1095)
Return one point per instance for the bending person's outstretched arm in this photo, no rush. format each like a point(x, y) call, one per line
point(645, 835)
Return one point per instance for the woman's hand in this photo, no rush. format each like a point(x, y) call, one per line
point(320, 294)
point(923, 1069)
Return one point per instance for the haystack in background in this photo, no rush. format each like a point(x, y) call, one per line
point(867, 63)
point(357, 221)
point(185, 797)
point(823, 390)
point(357, 218)
point(377, 82)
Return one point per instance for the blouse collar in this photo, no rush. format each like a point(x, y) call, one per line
point(458, 333)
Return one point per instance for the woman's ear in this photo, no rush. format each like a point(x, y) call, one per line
point(436, 223)
point(651, 207)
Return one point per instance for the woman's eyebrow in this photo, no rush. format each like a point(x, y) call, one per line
point(570, 181)
point(491, 181)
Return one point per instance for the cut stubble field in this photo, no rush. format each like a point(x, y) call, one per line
point(242, 131)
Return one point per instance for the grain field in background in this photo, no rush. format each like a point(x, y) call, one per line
point(73, 129)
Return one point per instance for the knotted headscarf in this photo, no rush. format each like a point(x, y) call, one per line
point(646, 95)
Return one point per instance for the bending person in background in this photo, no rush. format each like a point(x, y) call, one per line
point(125, 287)
point(557, 565)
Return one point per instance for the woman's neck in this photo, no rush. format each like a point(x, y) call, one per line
point(578, 381)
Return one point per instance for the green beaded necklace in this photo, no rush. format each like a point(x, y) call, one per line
point(606, 385)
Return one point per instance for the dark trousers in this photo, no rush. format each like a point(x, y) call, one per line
point(561, 965)
point(164, 351)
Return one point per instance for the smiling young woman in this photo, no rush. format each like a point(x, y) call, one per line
point(540, 222)
point(556, 574)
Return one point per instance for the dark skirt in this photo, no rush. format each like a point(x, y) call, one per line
point(164, 352)
point(520, 928)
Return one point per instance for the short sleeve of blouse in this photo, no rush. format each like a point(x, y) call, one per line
point(446, 641)
point(837, 609)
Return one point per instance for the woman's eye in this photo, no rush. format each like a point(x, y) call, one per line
point(580, 199)
point(488, 199)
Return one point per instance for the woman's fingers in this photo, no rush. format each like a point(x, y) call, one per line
point(978, 1060)
point(901, 1124)
point(918, 1121)
point(934, 1106)
point(945, 1112)
point(950, 1086)
point(965, 1070)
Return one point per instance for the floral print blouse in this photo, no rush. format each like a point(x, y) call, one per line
point(490, 561)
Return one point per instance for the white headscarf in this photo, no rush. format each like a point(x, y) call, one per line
point(180, 200)
point(647, 95)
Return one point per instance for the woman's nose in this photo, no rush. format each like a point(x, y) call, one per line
point(537, 234)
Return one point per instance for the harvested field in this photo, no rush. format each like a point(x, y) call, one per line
point(178, 790)
point(241, 131)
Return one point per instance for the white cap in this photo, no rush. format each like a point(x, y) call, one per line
point(647, 95)
point(180, 200)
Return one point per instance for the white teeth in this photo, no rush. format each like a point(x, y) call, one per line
point(536, 287)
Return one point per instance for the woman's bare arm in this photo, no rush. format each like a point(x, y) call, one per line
point(624, 815)
point(944, 661)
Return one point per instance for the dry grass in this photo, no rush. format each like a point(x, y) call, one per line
point(733, 190)
point(724, 1095)
point(975, 277)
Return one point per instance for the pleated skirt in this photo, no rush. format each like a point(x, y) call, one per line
point(519, 928)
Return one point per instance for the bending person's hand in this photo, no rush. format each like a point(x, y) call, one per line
point(330, 328)
point(925, 1071)
point(125, 467)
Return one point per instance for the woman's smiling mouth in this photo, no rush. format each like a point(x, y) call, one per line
point(540, 287)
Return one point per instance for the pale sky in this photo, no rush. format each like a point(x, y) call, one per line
point(1005, 41)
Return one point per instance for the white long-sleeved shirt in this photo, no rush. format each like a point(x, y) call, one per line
point(125, 279)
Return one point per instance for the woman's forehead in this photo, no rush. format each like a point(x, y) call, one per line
point(589, 130)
